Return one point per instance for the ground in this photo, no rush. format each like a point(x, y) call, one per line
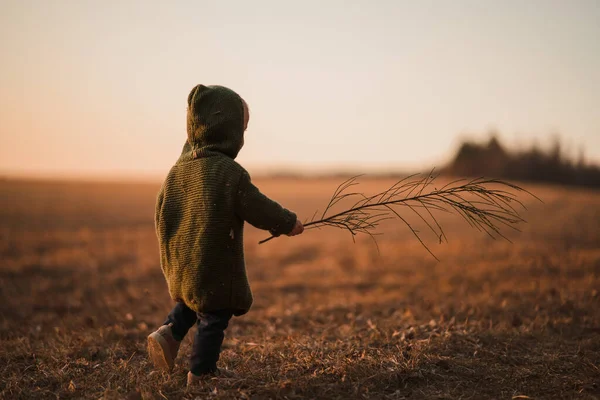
point(81, 288)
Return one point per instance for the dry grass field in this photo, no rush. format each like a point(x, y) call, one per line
point(81, 288)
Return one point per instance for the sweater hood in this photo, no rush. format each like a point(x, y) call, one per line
point(215, 122)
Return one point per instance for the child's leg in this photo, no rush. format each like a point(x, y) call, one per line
point(182, 318)
point(163, 344)
point(208, 341)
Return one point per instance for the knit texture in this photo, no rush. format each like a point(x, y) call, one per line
point(202, 206)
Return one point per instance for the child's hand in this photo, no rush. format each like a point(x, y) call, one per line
point(298, 229)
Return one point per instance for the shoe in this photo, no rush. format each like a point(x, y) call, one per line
point(163, 348)
point(193, 379)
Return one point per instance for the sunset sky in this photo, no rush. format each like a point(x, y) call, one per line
point(98, 88)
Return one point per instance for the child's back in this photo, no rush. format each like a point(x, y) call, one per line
point(200, 214)
point(202, 206)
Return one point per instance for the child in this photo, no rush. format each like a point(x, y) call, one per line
point(200, 214)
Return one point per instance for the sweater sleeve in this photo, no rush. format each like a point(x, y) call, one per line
point(159, 201)
point(260, 211)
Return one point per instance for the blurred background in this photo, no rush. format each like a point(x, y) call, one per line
point(98, 90)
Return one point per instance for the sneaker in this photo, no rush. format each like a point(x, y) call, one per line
point(193, 379)
point(163, 348)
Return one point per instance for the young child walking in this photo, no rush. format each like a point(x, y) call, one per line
point(199, 219)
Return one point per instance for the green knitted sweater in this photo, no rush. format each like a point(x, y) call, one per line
point(202, 206)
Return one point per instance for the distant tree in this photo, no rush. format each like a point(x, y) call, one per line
point(534, 164)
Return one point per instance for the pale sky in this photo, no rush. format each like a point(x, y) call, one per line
point(99, 87)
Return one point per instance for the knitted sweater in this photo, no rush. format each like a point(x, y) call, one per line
point(202, 206)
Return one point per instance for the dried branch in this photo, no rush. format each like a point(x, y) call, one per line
point(489, 207)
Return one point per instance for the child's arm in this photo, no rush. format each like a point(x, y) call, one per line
point(260, 211)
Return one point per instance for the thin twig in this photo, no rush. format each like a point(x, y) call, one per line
point(490, 209)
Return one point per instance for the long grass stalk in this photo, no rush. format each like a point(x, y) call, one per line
point(491, 204)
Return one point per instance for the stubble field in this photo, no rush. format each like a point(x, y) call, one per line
point(81, 288)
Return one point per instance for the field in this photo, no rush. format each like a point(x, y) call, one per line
point(81, 288)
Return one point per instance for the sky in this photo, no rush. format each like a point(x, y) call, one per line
point(99, 88)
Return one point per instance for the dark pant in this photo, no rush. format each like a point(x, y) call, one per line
point(209, 335)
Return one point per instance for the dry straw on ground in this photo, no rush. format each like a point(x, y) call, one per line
point(81, 288)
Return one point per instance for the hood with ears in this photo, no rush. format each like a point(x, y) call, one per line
point(215, 122)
